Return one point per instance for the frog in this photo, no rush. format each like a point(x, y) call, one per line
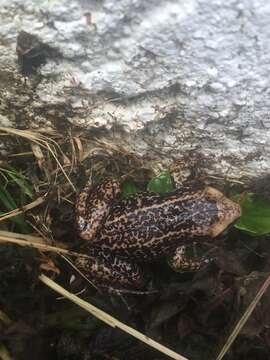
point(121, 234)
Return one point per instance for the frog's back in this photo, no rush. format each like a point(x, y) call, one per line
point(147, 225)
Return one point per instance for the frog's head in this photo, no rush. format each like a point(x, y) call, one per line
point(227, 211)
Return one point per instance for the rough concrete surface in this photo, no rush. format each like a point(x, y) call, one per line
point(174, 76)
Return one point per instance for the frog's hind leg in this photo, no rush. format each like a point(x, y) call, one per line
point(186, 259)
point(93, 206)
point(110, 271)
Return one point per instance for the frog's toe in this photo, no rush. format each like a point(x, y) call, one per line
point(93, 206)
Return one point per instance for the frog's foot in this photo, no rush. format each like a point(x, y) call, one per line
point(93, 205)
point(186, 259)
point(187, 171)
point(111, 271)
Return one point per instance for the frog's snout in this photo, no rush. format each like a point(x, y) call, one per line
point(227, 211)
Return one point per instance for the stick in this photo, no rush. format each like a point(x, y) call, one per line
point(244, 319)
point(40, 246)
point(22, 209)
point(109, 319)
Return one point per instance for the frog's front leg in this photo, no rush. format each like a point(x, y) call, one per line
point(185, 258)
point(93, 206)
point(110, 271)
point(187, 171)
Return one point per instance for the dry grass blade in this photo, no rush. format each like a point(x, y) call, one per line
point(5, 319)
point(78, 271)
point(37, 151)
point(244, 319)
point(4, 353)
point(108, 319)
point(13, 235)
point(24, 208)
point(26, 153)
point(35, 242)
point(78, 142)
point(42, 141)
point(36, 245)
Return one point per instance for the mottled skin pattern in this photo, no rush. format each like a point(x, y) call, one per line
point(179, 261)
point(143, 227)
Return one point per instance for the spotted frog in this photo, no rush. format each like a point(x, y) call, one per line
point(124, 232)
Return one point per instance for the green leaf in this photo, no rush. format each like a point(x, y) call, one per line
point(6, 199)
point(161, 183)
point(129, 188)
point(255, 218)
point(8, 203)
point(19, 179)
point(23, 184)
